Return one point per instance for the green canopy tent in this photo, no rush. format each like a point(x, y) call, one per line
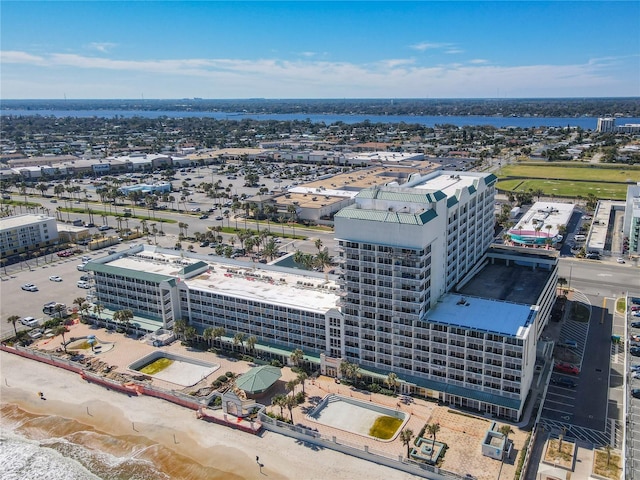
point(258, 379)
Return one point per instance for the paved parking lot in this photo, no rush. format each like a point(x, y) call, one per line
point(633, 406)
point(16, 301)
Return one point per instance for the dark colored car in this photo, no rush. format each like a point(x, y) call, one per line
point(635, 324)
point(568, 368)
point(563, 382)
point(635, 351)
point(635, 392)
point(203, 217)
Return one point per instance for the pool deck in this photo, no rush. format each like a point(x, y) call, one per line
point(462, 432)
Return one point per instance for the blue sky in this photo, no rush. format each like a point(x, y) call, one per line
point(364, 49)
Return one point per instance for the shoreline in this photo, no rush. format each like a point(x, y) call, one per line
point(229, 452)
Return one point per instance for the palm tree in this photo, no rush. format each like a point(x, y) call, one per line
point(302, 376)
point(61, 330)
point(207, 335)
point(291, 386)
point(392, 381)
point(238, 339)
point(608, 448)
point(12, 320)
point(123, 316)
point(291, 403)
point(405, 437)
point(79, 301)
point(218, 333)
point(98, 309)
point(433, 429)
point(279, 400)
point(505, 430)
point(297, 356)
point(251, 342)
point(179, 326)
point(59, 308)
point(563, 432)
point(318, 244)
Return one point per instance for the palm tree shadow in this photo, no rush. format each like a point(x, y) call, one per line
point(309, 445)
point(314, 400)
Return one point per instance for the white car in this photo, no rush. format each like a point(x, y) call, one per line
point(29, 321)
point(29, 287)
point(620, 260)
point(55, 278)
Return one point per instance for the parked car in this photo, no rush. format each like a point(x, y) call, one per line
point(635, 351)
point(567, 368)
point(103, 228)
point(85, 278)
point(563, 382)
point(55, 278)
point(569, 344)
point(620, 260)
point(593, 256)
point(37, 333)
point(203, 217)
point(29, 321)
point(83, 284)
point(635, 392)
point(29, 287)
point(635, 324)
point(635, 308)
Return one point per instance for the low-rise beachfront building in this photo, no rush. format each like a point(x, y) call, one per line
point(279, 306)
point(22, 233)
point(541, 224)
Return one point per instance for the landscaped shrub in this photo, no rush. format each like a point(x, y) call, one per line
point(300, 397)
point(222, 378)
point(216, 384)
point(229, 374)
point(374, 388)
point(276, 363)
point(247, 358)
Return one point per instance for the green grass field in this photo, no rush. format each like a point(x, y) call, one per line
point(156, 366)
point(588, 173)
point(385, 427)
point(562, 188)
point(569, 181)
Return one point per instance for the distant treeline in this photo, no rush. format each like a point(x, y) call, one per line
point(541, 107)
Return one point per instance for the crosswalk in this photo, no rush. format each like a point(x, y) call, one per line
point(595, 437)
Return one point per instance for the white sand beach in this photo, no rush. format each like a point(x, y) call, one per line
point(176, 428)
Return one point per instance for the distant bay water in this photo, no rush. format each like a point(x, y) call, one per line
point(586, 123)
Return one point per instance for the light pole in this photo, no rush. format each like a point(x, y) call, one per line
point(570, 272)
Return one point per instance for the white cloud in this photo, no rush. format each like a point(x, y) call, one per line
point(103, 47)
point(10, 56)
point(430, 46)
point(453, 51)
point(303, 78)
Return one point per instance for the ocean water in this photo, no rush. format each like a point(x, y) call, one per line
point(55, 448)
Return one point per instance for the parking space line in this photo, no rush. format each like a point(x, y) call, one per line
point(570, 397)
point(558, 411)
